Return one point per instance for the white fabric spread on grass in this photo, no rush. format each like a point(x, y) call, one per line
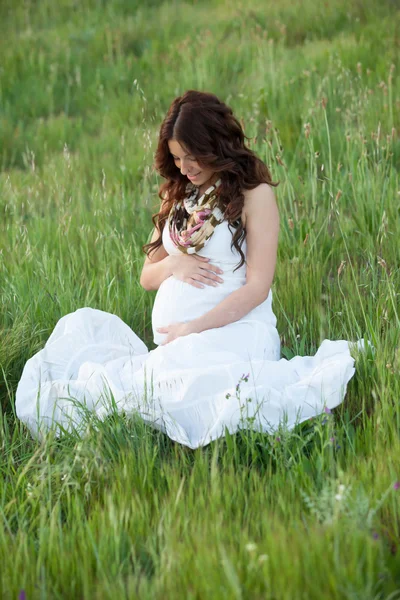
point(187, 388)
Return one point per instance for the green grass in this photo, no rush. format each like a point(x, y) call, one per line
point(125, 512)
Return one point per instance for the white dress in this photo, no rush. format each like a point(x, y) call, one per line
point(192, 388)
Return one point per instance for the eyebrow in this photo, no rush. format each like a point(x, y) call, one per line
point(178, 156)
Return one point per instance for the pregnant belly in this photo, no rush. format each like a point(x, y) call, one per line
point(177, 301)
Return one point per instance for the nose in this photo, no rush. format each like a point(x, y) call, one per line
point(183, 167)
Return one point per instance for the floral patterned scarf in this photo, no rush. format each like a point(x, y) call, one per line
point(192, 221)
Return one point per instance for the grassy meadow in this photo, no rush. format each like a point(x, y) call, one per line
point(125, 512)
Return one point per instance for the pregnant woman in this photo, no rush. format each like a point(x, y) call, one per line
point(212, 258)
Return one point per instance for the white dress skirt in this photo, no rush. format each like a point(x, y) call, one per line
point(193, 388)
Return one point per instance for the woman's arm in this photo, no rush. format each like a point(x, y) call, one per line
point(262, 227)
point(157, 268)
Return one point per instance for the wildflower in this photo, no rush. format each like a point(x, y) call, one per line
point(375, 536)
point(333, 442)
point(327, 410)
point(278, 439)
point(251, 547)
point(22, 595)
point(262, 558)
point(396, 485)
point(339, 497)
point(341, 488)
point(341, 267)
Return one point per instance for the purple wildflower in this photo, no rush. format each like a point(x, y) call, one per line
point(327, 410)
point(278, 439)
point(375, 536)
point(22, 595)
point(396, 485)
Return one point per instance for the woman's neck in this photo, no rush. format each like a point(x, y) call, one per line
point(204, 186)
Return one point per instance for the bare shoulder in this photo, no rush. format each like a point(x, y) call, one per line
point(260, 202)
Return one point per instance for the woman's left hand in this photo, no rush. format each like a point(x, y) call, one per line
point(174, 331)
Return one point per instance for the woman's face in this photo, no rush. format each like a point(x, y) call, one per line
point(186, 163)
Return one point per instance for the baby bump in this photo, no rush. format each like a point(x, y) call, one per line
point(177, 301)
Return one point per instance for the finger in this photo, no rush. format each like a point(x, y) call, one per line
point(211, 268)
point(162, 329)
point(194, 282)
point(206, 280)
point(202, 258)
point(210, 275)
point(204, 272)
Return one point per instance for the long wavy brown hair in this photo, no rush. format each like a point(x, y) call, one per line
point(206, 127)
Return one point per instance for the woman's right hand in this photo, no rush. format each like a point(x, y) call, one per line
point(195, 269)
